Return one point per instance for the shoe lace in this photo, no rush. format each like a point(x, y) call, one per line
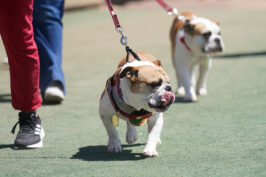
point(25, 122)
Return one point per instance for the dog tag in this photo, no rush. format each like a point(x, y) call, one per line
point(115, 120)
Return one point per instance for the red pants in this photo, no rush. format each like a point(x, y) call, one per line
point(17, 34)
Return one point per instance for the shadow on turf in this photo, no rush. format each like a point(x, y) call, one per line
point(5, 98)
point(180, 99)
point(241, 55)
point(98, 153)
point(5, 146)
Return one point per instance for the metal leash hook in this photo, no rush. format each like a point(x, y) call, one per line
point(123, 39)
point(119, 29)
point(124, 42)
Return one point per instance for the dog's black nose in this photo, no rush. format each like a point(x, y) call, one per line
point(217, 41)
point(168, 88)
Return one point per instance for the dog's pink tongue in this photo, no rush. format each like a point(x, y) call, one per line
point(167, 97)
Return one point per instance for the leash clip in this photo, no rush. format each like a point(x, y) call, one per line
point(176, 13)
point(123, 39)
point(173, 12)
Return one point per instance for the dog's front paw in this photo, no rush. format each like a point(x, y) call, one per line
point(150, 152)
point(131, 136)
point(114, 146)
point(202, 92)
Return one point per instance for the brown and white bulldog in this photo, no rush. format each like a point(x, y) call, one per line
point(193, 41)
point(138, 91)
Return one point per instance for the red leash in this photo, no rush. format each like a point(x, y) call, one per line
point(119, 29)
point(165, 6)
point(113, 14)
point(171, 10)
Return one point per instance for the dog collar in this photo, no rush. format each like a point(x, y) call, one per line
point(118, 89)
point(183, 41)
point(135, 117)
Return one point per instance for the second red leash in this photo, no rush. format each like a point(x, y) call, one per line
point(171, 11)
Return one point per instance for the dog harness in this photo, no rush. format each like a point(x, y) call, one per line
point(135, 117)
point(182, 40)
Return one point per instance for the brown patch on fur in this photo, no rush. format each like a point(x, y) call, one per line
point(176, 26)
point(146, 75)
point(144, 57)
point(216, 22)
point(198, 29)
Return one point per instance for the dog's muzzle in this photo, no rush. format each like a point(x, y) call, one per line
point(218, 47)
point(163, 102)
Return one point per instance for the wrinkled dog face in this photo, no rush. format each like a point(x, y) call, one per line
point(149, 86)
point(204, 36)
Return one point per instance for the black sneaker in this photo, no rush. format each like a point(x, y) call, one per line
point(31, 132)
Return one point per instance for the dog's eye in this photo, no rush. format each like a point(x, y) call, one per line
point(156, 84)
point(219, 33)
point(207, 34)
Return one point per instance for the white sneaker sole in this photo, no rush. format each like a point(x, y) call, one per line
point(53, 95)
point(53, 99)
point(33, 146)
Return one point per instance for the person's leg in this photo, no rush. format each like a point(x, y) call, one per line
point(47, 22)
point(17, 33)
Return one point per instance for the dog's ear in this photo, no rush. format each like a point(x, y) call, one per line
point(216, 22)
point(157, 62)
point(129, 72)
point(188, 27)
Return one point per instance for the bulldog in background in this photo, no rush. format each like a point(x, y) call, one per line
point(193, 42)
point(139, 91)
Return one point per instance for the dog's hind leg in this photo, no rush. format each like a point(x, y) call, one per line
point(155, 125)
point(132, 134)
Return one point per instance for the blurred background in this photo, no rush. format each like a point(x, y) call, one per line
point(205, 7)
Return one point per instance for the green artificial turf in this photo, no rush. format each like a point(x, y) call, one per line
point(224, 134)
